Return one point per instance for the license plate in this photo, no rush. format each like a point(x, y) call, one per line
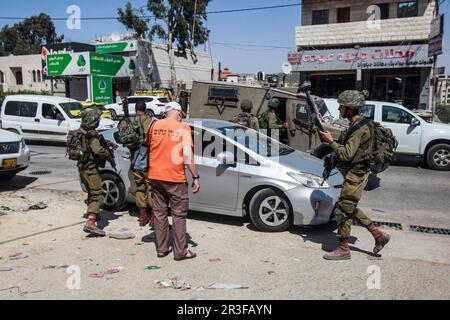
point(9, 163)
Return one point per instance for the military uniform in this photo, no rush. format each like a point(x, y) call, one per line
point(143, 198)
point(353, 154)
point(246, 118)
point(89, 170)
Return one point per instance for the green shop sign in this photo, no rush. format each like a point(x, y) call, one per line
point(115, 47)
point(102, 89)
point(87, 63)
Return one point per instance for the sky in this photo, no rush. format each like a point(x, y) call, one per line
point(237, 40)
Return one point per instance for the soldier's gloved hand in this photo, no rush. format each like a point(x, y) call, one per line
point(285, 125)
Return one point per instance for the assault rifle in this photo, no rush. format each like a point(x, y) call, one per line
point(110, 147)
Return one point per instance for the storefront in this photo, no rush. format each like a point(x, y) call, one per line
point(390, 73)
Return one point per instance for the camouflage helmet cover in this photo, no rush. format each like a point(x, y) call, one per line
point(274, 103)
point(90, 117)
point(353, 99)
point(246, 105)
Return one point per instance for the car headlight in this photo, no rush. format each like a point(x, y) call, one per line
point(309, 180)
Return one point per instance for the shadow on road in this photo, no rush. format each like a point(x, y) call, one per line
point(105, 218)
point(151, 238)
point(218, 219)
point(18, 183)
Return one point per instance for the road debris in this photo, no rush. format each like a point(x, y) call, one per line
point(38, 206)
point(3, 213)
point(18, 256)
point(122, 236)
point(55, 267)
point(114, 270)
point(226, 286)
point(20, 292)
point(4, 208)
point(215, 260)
point(96, 275)
point(174, 284)
point(270, 273)
point(4, 269)
point(152, 268)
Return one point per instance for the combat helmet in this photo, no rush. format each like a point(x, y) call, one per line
point(246, 105)
point(274, 103)
point(90, 118)
point(353, 99)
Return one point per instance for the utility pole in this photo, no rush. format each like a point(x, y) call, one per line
point(431, 100)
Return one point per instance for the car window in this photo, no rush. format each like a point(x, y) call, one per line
point(51, 112)
point(302, 113)
point(68, 107)
point(163, 100)
point(21, 109)
point(148, 99)
point(368, 111)
point(133, 100)
point(396, 115)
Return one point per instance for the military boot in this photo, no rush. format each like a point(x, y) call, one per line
point(92, 228)
point(143, 219)
point(381, 238)
point(342, 252)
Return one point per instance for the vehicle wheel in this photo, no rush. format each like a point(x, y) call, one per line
point(270, 211)
point(114, 192)
point(150, 113)
point(113, 114)
point(438, 157)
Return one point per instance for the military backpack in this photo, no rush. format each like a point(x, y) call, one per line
point(383, 145)
point(77, 148)
point(263, 120)
point(131, 133)
point(243, 119)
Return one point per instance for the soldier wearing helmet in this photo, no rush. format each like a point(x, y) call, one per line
point(269, 120)
point(246, 118)
point(353, 160)
point(89, 170)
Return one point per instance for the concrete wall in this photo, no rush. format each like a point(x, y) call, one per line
point(358, 30)
point(27, 64)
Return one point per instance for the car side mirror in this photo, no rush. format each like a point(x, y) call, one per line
point(226, 158)
point(60, 117)
point(415, 122)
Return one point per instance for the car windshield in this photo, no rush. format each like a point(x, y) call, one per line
point(256, 141)
point(70, 107)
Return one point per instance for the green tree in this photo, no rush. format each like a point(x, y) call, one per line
point(28, 36)
point(181, 23)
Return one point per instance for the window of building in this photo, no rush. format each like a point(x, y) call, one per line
point(343, 15)
point(384, 10)
point(320, 17)
point(19, 77)
point(39, 76)
point(34, 76)
point(407, 9)
point(2, 77)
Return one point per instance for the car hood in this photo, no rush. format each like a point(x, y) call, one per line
point(441, 127)
point(304, 162)
point(6, 136)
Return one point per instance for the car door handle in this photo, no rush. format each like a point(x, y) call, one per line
point(37, 120)
point(246, 176)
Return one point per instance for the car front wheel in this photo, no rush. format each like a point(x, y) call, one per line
point(270, 211)
point(438, 157)
point(114, 192)
point(113, 114)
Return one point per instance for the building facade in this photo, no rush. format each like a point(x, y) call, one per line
point(443, 91)
point(379, 46)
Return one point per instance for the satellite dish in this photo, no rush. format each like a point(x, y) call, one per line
point(286, 68)
point(115, 37)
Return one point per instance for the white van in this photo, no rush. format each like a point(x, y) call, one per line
point(43, 118)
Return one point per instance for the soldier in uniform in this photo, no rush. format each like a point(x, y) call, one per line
point(143, 196)
point(353, 160)
point(271, 121)
point(89, 170)
point(246, 118)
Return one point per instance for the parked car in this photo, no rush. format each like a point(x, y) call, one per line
point(277, 187)
point(105, 113)
point(14, 154)
point(44, 118)
point(416, 137)
point(155, 106)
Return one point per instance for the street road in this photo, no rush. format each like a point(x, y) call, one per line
point(285, 265)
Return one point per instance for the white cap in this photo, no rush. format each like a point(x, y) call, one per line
point(174, 106)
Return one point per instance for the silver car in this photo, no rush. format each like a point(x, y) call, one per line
point(242, 173)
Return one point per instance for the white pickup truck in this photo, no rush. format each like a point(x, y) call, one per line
point(416, 137)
